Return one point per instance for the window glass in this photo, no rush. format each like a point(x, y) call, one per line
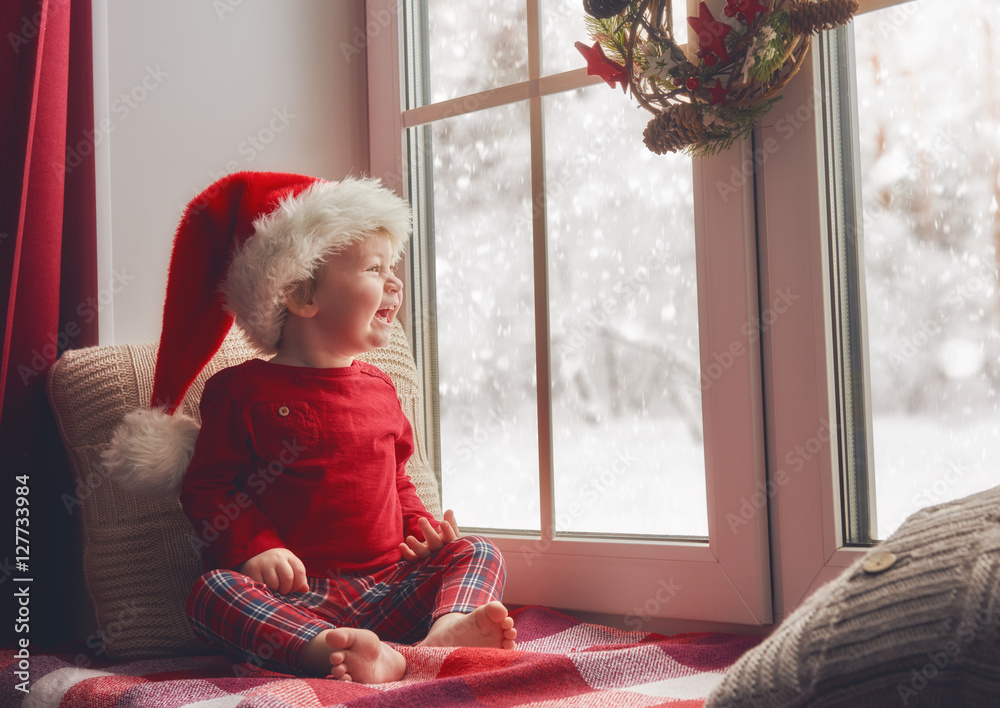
point(474, 46)
point(628, 450)
point(482, 256)
point(928, 83)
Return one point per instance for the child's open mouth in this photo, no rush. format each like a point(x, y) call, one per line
point(387, 314)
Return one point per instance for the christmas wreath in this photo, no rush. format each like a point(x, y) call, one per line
point(705, 106)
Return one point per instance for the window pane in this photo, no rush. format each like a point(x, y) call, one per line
point(624, 324)
point(930, 159)
point(474, 46)
point(485, 317)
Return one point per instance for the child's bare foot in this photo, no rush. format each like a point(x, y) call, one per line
point(354, 655)
point(486, 626)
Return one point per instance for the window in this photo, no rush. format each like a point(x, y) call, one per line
point(926, 193)
point(566, 331)
point(621, 365)
point(835, 225)
point(610, 367)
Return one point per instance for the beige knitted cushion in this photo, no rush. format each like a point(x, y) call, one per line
point(912, 623)
point(138, 559)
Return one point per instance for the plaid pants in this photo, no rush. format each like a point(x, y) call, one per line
point(250, 623)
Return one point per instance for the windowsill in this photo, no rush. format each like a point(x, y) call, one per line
point(665, 625)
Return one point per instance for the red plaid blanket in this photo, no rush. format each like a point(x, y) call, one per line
point(559, 662)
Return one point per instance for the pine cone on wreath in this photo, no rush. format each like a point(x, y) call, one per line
point(603, 9)
point(807, 17)
point(678, 126)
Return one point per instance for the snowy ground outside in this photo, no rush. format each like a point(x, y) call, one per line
point(921, 461)
point(648, 477)
point(635, 477)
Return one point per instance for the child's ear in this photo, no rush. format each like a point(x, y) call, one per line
point(299, 309)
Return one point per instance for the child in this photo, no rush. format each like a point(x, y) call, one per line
point(331, 551)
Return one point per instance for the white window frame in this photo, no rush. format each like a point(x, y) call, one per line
point(795, 231)
point(793, 529)
point(724, 580)
point(806, 531)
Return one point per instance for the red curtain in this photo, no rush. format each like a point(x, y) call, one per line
point(47, 269)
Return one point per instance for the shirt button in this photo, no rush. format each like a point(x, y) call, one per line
point(283, 411)
point(878, 562)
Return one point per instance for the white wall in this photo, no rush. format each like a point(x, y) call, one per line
point(188, 90)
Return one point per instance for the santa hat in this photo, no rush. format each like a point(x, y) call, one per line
point(241, 247)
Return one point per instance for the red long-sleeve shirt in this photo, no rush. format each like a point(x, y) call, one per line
point(312, 460)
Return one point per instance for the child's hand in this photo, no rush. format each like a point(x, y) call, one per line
point(278, 568)
point(413, 550)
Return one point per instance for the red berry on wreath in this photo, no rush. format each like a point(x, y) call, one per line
point(693, 83)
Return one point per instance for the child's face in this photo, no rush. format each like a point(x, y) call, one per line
point(357, 297)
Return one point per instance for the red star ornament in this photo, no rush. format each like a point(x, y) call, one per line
point(751, 8)
point(719, 93)
point(746, 10)
point(711, 34)
point(599, 65)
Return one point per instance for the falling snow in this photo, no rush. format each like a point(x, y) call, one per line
point(622, 299)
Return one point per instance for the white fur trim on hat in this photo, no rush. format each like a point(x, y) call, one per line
point(289, 245)
point(150, 453)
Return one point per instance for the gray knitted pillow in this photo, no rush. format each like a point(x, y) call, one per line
point(912, 623)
